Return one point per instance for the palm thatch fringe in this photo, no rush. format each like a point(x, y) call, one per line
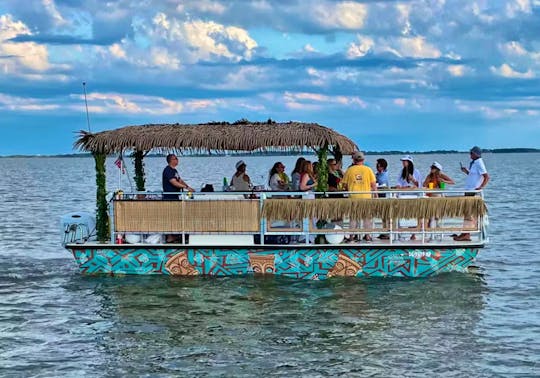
point(335, 208)
point(224, 136)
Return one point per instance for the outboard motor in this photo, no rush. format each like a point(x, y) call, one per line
point(78, 227)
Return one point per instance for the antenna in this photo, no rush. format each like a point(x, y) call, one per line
point(86, 104)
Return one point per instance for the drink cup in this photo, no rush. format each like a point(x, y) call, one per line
point(442, 185)
point(431, 185)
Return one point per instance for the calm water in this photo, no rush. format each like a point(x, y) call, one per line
point(55, 322)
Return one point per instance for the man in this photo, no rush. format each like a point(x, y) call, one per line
point(171, 179)
point(359, 178)
point(477, 179)
point(383, 182)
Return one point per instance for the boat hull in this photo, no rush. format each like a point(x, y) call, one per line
point(301, 262)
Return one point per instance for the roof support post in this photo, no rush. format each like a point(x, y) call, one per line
point(140, 177)
point(322, 169)
point(102, 217)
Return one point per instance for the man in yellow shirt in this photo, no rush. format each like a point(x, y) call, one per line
point(359, 178)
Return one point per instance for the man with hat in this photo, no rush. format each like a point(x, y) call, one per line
point(477, 176)
point(359, 178)
point(477, 179)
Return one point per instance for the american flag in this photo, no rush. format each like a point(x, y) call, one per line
point(120, 164)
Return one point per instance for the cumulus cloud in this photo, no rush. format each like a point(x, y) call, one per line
point(341, 15)
point(175, 42)
point(505, 70)
point(360, 49)
point(22, 55)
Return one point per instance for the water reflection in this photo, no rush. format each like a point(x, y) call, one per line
point(286, 326)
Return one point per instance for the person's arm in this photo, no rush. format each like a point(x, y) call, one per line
point(485, 180)
point(303, 183)
point(374, 189)
point(181, 184)
point(425, 184)
point(446, 179)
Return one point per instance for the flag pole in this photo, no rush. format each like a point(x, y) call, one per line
point(86, 104)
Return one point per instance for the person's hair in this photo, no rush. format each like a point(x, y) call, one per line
point(307, 167)
point(408, 170)
point(274, 170)
point(383, 163)
point(298, 165)
point(169, 157)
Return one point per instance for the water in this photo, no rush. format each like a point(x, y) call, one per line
point(55, 322)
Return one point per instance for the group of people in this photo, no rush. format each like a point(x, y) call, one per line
point(357, 178)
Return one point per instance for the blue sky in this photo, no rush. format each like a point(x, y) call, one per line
point(406, 75)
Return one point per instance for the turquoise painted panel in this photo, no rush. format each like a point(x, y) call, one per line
point(302, 263)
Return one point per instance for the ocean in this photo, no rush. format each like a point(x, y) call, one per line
point(56, 322)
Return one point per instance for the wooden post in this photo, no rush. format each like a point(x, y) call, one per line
point(139, 177)
point(102, 216)
point(322, 169)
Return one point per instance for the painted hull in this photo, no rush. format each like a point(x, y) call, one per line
point(296, 262)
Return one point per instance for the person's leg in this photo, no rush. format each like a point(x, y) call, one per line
point(368, 225)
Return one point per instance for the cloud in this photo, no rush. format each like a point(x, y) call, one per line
point(457, 70)
point(343, 15)
point(306, 100)
point(26, 55)
point(506, 71)
point(26, 104)
point(360, 49)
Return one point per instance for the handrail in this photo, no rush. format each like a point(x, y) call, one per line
point(389, 213)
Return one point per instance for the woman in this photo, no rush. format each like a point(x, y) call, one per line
point(436, 177)
point(278, 181)
point(334, 175)
point(240, 180)
point(410, 176)
point(307, 178)
point(295, 175)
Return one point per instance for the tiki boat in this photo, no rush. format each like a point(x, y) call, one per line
point(300, 235)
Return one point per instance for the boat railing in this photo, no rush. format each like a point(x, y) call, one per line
point(393, 216)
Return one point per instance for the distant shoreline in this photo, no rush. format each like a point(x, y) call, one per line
point(282, 153)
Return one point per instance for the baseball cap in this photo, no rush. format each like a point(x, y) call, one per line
point(476, 150)
point(358, 155)
point(437, 165)
point(407, 157)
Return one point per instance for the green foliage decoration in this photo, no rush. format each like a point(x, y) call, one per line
point(322, 170)
point(139, 177)
point(102, 216)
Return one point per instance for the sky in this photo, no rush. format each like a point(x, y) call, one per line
point(391, 75)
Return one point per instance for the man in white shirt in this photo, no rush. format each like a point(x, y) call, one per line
point(477, 176)
point(477, 179)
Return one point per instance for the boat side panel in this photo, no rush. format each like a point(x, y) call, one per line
point(302, 263)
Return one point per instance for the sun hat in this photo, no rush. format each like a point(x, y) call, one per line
point(239, 164)
point(437, 165)
point(358, 155)
point(476, 150)
point(407, 157)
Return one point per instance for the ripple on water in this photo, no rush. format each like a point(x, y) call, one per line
point(54, 322)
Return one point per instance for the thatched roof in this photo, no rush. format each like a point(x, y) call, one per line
point(239, 136)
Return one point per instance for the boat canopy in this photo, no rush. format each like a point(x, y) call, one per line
point(216, 136)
